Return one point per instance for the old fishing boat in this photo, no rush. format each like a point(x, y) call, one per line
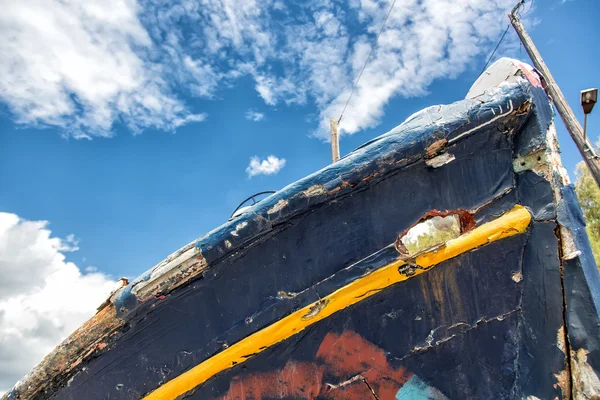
point(445, 259)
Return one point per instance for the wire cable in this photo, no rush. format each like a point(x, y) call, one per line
point(516, 9)
point(530, 6)
point(367, 61)
point(496, 48)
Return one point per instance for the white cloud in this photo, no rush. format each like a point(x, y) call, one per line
point(269, 166)
point(81, 66)
point(43, 298)
point(85, 66)
point(423, 41)
point(312, 54)
point(253, 115)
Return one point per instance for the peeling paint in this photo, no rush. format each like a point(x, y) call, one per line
point(315, 190)
point(569, 247)
point(537, 161)
point(586, 384)
point(436, 148)
point(316, 309)
point(238, 228)
point(171, 274)
point(440, 160)
point(563, 378)
point(517, 277)
point(286, 295)
point(278, 206)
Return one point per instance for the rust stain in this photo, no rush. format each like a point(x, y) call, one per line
point(436, 288)
point(358, 366)
point(453, 294)
point(339, 188)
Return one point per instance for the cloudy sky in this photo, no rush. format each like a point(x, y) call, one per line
point(128, 129)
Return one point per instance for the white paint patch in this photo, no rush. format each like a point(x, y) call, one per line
point(238, 228)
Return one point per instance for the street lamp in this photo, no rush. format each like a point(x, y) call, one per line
point(588, 99)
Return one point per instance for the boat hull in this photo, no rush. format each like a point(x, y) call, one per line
point(310, 294)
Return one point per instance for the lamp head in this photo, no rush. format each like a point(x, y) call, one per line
point(588, 99)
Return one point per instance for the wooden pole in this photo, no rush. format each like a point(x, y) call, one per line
point(573, 127)
point(335, 141)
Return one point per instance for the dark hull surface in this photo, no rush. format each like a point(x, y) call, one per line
point(511, 317)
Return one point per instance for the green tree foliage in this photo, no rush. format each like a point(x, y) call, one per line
point(589, 199)
point(431, 232)
point(428, 240)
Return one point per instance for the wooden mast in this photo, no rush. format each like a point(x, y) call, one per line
point(335, 141)
point(566, 113)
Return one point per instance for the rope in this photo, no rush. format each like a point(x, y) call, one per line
point(367, 61)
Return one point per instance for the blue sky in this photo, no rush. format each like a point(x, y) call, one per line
point(132, 199)
point(134, 129)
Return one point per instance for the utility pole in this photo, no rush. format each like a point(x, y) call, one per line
point(335, 141)
point(573, 127)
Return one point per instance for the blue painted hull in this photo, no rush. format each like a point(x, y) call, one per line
point(510, 319)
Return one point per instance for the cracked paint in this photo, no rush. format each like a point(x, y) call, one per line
point(512, 223)
point(332, 274)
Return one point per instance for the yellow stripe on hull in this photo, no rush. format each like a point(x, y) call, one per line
point(512, 223)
